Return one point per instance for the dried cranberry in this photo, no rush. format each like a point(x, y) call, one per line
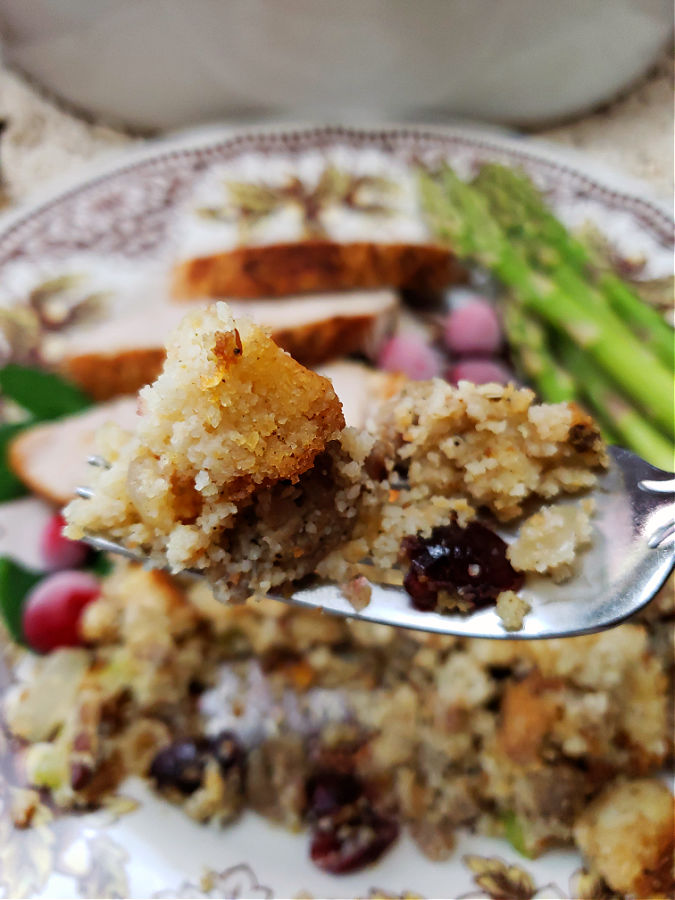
point(80, 776)
point(351, 845)
point(468, 563)
point(329, 791)
point(424, 596)
point(227, 751)
point(181, 765)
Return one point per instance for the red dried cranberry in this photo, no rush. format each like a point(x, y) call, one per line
point(329, 791)
point(469, 563)
point(349, 846)
point(181, 765)
point(80, 776)
point(227, 751)
point(423, 595)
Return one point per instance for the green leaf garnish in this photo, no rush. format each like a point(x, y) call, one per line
point(42, 394)
point(98, 563)
point(15, 584)
point(10, 485)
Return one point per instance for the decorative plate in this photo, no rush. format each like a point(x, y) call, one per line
point(114, 232)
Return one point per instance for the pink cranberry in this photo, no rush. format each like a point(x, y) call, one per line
point(473, 328)
point(480, 371)
point(58, 551)
point(411, 355)
point(51, 614)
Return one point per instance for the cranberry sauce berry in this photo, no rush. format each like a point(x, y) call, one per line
point(469, 564)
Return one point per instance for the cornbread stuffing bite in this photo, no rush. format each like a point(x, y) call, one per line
point(236, 467)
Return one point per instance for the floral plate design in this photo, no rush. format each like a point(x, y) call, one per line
point(114, 234)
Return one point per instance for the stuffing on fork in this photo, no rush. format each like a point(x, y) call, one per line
point(241, 469)
point(236, 468)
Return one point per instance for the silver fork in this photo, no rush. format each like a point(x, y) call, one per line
point(633, 553)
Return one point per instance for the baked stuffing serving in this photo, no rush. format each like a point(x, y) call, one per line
point(354, 730)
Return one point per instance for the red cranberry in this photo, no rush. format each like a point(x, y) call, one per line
point(51, 614)
point(58, 551)
point(80, 776)
point(469, 563)
point(330, 791)
point(181, 765)
point(349, 846)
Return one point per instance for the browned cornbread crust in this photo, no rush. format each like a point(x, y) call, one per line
point(629, 833)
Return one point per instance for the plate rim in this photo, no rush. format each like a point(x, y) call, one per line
point(534, 149)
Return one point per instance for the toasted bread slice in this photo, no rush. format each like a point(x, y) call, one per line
point(119, 356)
point(275, 270)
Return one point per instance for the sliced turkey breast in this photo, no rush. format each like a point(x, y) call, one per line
point(277, 269)
point(120, 355)
point(52, 458)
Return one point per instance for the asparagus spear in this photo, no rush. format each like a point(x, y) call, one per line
point(528, 341)
point(459, 214)
point(521, 210)
point(633, 430)
point(535, 360)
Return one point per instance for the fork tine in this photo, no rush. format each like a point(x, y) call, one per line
point(98, 461)
point(634, 521)
point(101, 543)
point(661, 535)
point(84, 492)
